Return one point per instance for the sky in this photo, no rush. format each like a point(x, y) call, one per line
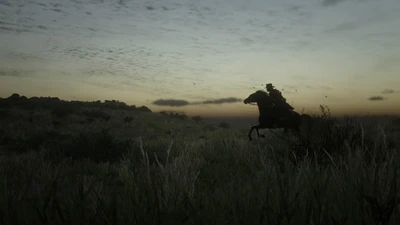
point(205, 57)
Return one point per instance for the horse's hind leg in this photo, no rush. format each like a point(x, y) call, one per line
point(251, 130)
point(258, 134)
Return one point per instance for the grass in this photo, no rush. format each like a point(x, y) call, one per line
point(153, 169)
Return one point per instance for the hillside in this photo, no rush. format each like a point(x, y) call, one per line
point(106, 162)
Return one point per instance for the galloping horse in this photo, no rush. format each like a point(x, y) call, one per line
point(266, 119)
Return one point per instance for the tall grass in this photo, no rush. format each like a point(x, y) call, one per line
point(222, 179)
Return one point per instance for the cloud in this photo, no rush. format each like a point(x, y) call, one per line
point(171, 102)
point(246, 41)
point(222, 101)
point(344, 27)
point(327, 88)
point(15, 73)
point(376, 98)
point(149, 7)
point(386, 64)
point(331, 2)
point(295, 8)
point(181, 102)
point(387, 91)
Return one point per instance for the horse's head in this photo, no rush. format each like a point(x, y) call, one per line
point(257, 96)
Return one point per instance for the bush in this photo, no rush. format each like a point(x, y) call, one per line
point(197, 119)
point(4, 114)
point(210, 127)
point(98, 147)
point(98, 114)
point(33, 142)
point(61, 111)
point(128, 119)
point(224, 125)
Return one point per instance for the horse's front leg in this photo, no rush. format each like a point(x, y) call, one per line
point(251, 130)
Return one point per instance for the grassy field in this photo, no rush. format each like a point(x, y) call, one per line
point(118, 166)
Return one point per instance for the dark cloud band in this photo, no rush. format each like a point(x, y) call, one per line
point(376, 98)
point(387, 91)
point(171, 102)
point(180, 102)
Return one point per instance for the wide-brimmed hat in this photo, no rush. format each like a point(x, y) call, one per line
point(269, 86)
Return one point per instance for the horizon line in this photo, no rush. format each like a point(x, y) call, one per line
point(208, 115)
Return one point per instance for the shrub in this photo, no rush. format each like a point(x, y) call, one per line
point(128, 119)
point(4, 114)
point(98, 147)
point(197, 119)
point(224, 125)
point(61, 111)
point(210, 127)
point(183, 117)
point(33, 142)
point(95, 113)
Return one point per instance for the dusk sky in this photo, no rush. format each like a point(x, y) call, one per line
point(206, 55)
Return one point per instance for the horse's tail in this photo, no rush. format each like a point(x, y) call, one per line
point(297, 119)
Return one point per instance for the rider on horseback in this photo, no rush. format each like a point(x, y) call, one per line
point(282, 108)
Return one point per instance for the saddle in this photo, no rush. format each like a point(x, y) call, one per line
point(280, 114)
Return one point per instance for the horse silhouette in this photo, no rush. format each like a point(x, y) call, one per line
point(267, 118)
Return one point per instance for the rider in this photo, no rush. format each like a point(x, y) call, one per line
point(281, 106)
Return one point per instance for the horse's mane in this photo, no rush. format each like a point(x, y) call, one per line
point(262, 93)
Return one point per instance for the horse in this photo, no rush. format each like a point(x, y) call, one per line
point(267, 120)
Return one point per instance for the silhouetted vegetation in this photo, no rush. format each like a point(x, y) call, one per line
point(128, 119)
point(4, 114)
point(61, 111)
point(99, 146)
point(396, 123)
point(210, 127)
point(53, 103)
point(197, 119)
point(224, 125)
point(98, 114)
point(175, 115)
point(103, 163)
